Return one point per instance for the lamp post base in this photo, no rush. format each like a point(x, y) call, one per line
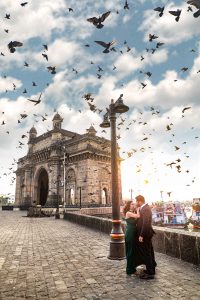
point(57, 214)
point(117, 250)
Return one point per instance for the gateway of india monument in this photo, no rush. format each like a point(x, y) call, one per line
point(66, 168)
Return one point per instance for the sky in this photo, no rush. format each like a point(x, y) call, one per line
point(158, 136)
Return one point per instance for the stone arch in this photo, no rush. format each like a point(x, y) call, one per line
point(104, 196)
point(41, 186)
point(70, 186)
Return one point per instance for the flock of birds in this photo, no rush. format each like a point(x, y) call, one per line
point(122, 125)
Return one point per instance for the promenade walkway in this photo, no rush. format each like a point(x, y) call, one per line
point(55, 259)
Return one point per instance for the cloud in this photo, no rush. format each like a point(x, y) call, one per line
point(168, 30)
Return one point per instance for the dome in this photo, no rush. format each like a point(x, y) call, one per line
point(57, 117)
point(33, 130)
point(91, 130)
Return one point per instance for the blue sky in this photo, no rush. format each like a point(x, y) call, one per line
point(66, 34)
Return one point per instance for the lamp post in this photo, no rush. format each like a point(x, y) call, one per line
point(117, 245)
point(57, 214)
point(131, 191)
point(80, 199)
point(64, 181)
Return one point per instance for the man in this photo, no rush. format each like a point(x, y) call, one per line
point(145, 233)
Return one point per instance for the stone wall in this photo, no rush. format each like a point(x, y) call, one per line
point(177, 243)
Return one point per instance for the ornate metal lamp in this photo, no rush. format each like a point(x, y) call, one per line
point(106, 122)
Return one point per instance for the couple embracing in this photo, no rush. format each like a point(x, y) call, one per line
point(138, 238)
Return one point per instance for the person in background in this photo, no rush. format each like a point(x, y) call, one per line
point(131, 216)
point(145, 233)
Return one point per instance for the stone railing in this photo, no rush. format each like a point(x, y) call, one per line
point(177, 243)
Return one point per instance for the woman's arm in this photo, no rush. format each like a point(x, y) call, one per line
point(133, 215)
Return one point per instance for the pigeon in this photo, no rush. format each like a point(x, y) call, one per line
point(13, 45)
point(45, 47)
point(36, 101)
point(176, 13)
point(195, 3)
point(26, 64)
point(23, 4)
point(141, 58)
point(168, 128)
point(52, 70)
point(100, 69)
point(185, 108)
point(7, 16)
point(152, 37)
point(148, 74)
point(23, 116)
point(45, 56)
point(126, 5)
point(189, 9)
point(70, 9)
point(159, 45)
point(160, 10)
point(143, 85)
point(106, 45)
point(184, 69)
point(97, 22)
point(33, 83)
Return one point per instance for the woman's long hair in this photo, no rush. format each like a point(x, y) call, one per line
point(127, 207)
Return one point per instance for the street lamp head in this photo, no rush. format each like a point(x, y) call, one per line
point(120, 107)
point(106, 122)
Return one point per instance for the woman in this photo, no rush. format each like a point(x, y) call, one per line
point(131, 215)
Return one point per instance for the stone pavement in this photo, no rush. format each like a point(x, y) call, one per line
point(55, 259)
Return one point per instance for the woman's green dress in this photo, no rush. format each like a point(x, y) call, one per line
point(132, 255)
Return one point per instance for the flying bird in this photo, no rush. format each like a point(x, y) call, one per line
point(106, 45)
point(195, 3)
point(45, 56)
point(159, 45)
point(143, 85)
point(12, 45)
point(51, 69)
point(160, 10)
point(185, 108)
point(97, 22)
point(126, 5)
point(152, 37)
point(36, 101)
point(23, 4)
point(176, 13)
point(45, 47)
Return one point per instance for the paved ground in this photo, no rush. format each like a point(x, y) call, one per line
point(55, 259)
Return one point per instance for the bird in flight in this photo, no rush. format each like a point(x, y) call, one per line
point(126, 5)
point(160, 10)
point(97, 22)
point(13, 45)
point(106, 45)
point(195, 3)
point(36, 101)
point(152, 37)
point(185, 108)
point(23, 4)
point(176, 13)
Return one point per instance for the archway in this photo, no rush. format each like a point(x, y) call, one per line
point(104, 196)
point(43, 187)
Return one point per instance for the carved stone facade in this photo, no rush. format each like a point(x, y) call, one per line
point(83, 159)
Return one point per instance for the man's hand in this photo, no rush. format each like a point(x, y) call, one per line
point(141, 239)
